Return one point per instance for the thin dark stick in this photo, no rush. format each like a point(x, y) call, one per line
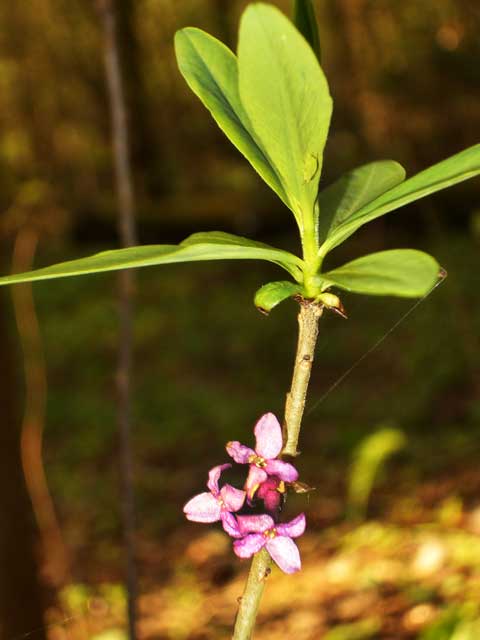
point(120, 136)
point(127, 232)
point(123, 381)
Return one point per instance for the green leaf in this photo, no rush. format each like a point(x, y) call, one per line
point(407, 273)
point(461, 166)
point(353, 190)
point(210, 69)
point(271, 294)
point(306, 22)
point(369, 457)
point(285, 95)
point(200, 246)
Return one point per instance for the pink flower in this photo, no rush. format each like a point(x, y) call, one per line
point(261, 531)
point(263, 461)
point(271, 492)
point(217, 504)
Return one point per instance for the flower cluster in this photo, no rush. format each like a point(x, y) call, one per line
point(266, 480)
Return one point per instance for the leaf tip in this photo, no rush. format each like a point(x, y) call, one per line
point(273, 293)
point(263, 311)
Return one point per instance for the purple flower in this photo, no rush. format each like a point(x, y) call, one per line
point(263, 461)
point(217, 504)
point(261, 531)
point(271, 492)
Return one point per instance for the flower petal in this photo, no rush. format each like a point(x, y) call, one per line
point(271, 492)
point(203, 508)
point(233, 498)
point(214, 476)
point(284, 470)
point(294, 528)
point(230, 524)
point(239, 452)
point(268, 434)
point(272, 500)
point(246, 547)
point(254, 479)
point(272, 483)
point(255, 524)
point(285, 553)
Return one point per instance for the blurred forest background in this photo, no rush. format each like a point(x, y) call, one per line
point(393, 547)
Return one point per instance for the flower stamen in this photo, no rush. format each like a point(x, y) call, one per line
point(258, 461)
point(270, 533)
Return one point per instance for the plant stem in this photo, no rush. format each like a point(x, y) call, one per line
point(311, 259)
point(252, 594)
point(308, 318)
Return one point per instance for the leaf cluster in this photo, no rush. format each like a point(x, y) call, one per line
point(273, 103)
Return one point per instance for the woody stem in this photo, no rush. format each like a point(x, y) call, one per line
point(308, 318)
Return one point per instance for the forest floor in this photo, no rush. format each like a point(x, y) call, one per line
point(413, 574)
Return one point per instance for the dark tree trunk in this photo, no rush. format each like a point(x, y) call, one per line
point(20, 600)
point(146, 157)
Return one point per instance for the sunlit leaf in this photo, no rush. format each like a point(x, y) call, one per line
point(340, 200)
point(271, 294)
point(200, 246)
point(461, 166)
point(210, 69)
point(285, 94)
point(406, 273)
point(306, 22)
point(369, 457)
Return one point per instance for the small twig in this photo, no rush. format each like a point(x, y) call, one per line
point(308, 318)
point(127, 232)
point(55, 552)
point(54, 549)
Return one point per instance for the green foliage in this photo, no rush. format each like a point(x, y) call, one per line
point(271, 294)
point(353, 190)
point(285, 94)
point(457, 622)
point(197, 247)
point(211, 71)
point(306, 22)
point(369, 457)
point(406, 273)
point(461, 166)
point(273, 103)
